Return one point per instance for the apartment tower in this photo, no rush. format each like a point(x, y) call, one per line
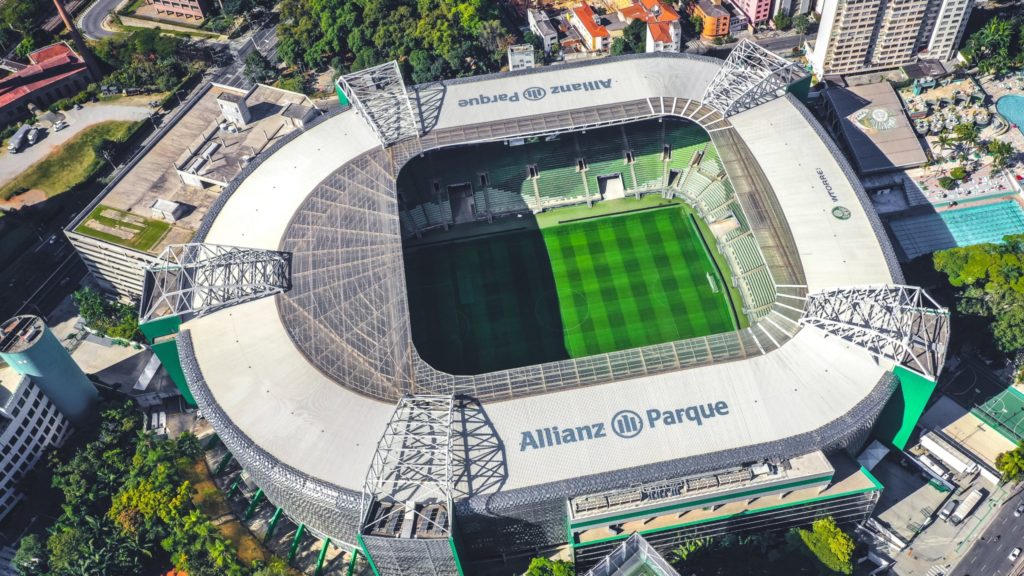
point(862, 35)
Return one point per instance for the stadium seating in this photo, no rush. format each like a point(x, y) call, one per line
point(758, 288)
point(710, 164)
point(745, 255)
point(694, 184)
point(646, 141)
point(685, 140)
point(714, 195)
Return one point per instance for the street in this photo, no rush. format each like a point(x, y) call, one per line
point(265, 39)
point(91, 21)
point(989, 556)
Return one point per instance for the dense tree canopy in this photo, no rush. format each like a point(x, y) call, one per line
point(127, 508)
point(989, 279)
point(431, 39)
point(548, 567)
point(1011, 464)
point(830, 545)
point(114, 319)
point(147, 59)
point(998, 46)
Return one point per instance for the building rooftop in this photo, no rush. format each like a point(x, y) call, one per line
point(123, 212)
point(47, 65)
point(587, 16)
point(20, 333)
point(874, 127)
point(711, 9)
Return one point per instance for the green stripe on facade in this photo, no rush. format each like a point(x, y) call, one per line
point(574, 545)
point(359, 539)
point(699, 503)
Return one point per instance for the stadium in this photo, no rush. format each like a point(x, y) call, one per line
point(498, 315)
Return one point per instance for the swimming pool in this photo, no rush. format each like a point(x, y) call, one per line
point(926, 233)
point(1011, 107)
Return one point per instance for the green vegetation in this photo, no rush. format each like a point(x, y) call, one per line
point(114, 319)
point(1001, 153)
point(830, 545)
point(632, 280)
point(801, 23)
point(258, 68)
point(989, 283)
point(148, 59)
point(998, 47)
point(782, 21)
point(123, 228)
point(74, 162)
point(431, 39)
point(947, 183)
point(548, 567)
point(127, 508)
point(958, 173)
point(1011, 464)
point(765, 554)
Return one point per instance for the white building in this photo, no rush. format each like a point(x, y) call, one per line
point(29, 424)
point(862, 35)
point(541, 26)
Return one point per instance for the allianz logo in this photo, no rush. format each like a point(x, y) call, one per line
point(625, 424)
point(534, 93)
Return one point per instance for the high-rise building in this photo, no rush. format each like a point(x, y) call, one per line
point(42, 394)
point(756, 11)
point(861, 35)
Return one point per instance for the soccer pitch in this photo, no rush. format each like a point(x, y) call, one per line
point(584, 281)
point(634, 279)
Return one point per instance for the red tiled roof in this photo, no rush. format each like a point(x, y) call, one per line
point(51, 64)
point(660, 32)
point(49, 52)
point(667, 13)
point(586, 15)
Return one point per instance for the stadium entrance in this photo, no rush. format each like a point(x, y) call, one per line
point(532, 251)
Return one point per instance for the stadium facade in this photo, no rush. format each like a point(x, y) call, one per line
point(292, 326)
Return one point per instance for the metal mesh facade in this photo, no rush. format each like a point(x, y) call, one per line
point(348, 311)
point(329, 509)
point(400, 557)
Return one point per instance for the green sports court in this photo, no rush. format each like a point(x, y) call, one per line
point(573, 282)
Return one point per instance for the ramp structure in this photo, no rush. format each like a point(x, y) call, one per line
point(193, 279)
point(407, 504)
point(379, 94)
point(751, 76)
point(901, 323)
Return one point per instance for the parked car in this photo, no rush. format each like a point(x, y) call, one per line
point(60, 125)
point(1013, 555)
point(1018, 511)
point(33, 135)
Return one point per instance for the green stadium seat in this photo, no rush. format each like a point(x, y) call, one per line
point(758, 288)
point(744, 254)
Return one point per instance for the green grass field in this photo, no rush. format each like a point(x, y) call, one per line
point(140, 233)
point(71, 164)
point(576, 282)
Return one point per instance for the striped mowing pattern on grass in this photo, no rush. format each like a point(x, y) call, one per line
point(632, 280)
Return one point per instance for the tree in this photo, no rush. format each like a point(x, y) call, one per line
point(947, 183)
point(635, 36)
point(782, 21)
point(698, 24)
point(944, 141)
point(830, 545)
point(619, 47)
point(1011, 464)
point(258, 68)
point(30, 559)
point(958, 173)
point(967, 133)
point(1001, 153)
point(801, 23)
point(548, 567)
point(90, 305)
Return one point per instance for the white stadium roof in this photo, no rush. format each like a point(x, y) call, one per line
point(268, 387)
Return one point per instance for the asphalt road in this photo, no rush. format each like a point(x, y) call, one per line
point(264, 39)
point(988, 556)
point(91, 21)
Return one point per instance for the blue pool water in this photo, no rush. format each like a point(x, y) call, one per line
point(923, 234)
point(1012, 108)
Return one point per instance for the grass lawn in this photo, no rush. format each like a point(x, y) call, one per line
point(71, 164)
point(145, 232)
point(635, 279)
point(574, 282)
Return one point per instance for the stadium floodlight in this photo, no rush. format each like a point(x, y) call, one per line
point(193, 279)
point(750, 77)
point(412, 466)
point(379, 94)
point(901, 323)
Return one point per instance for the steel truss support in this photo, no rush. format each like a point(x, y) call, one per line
point(751, 76)
point(193, 279)
point(412, 464)
point(901, 323)
point(379, 94)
